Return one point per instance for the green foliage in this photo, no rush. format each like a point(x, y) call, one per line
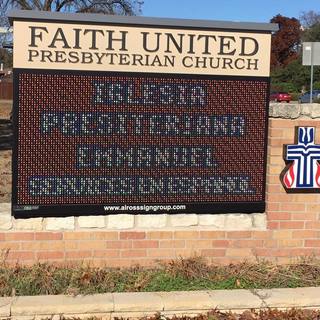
point(316, 85)
point(312, 34)
point(293, 77)
point(283, 86)
point(295, 96)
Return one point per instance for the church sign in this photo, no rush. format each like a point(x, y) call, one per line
point(132, 114)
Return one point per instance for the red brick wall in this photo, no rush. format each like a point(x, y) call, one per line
point(293, 229)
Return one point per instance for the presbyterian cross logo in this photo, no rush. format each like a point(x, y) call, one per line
point(304, 172)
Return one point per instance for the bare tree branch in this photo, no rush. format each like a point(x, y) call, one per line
point(63, 4)
point(119, 7)
point(309, 18)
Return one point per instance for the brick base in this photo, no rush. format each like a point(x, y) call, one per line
point(124, 248)
point(290, 228)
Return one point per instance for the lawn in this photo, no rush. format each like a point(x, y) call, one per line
point(181, 274)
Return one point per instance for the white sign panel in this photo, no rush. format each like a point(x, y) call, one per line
point(311, 53)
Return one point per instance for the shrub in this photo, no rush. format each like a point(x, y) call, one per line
point(316, 85)
point(283, 86)
point(295, 96)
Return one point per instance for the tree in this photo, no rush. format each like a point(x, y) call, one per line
point(309, 18)
point(114, 7)
point(5, 58)
point(311, 26)
point(5, 54)
point(121, 7)
point(293, 77)
point(312, 34)
point(285, 42)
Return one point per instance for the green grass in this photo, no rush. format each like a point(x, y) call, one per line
point(181, 274)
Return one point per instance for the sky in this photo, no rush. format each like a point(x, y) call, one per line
point(230, 10)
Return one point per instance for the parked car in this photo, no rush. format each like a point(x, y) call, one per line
point(280, 97)
point(305, 98)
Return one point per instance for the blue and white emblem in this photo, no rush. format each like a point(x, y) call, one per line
point(304, 171)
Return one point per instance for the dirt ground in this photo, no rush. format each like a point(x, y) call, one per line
point(5, 158)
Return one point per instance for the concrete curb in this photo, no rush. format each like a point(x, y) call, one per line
point(138, 304)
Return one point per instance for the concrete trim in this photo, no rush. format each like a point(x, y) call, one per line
point(136, 222)
point(294, 110)
point(136, 304)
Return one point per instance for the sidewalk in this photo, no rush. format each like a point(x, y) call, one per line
point(138, 304)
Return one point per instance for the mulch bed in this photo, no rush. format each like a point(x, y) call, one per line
point(272, 314)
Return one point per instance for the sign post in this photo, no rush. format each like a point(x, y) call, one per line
point(133, 114)
point(311, 77)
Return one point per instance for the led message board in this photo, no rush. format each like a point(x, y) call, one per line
point(179, 130)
